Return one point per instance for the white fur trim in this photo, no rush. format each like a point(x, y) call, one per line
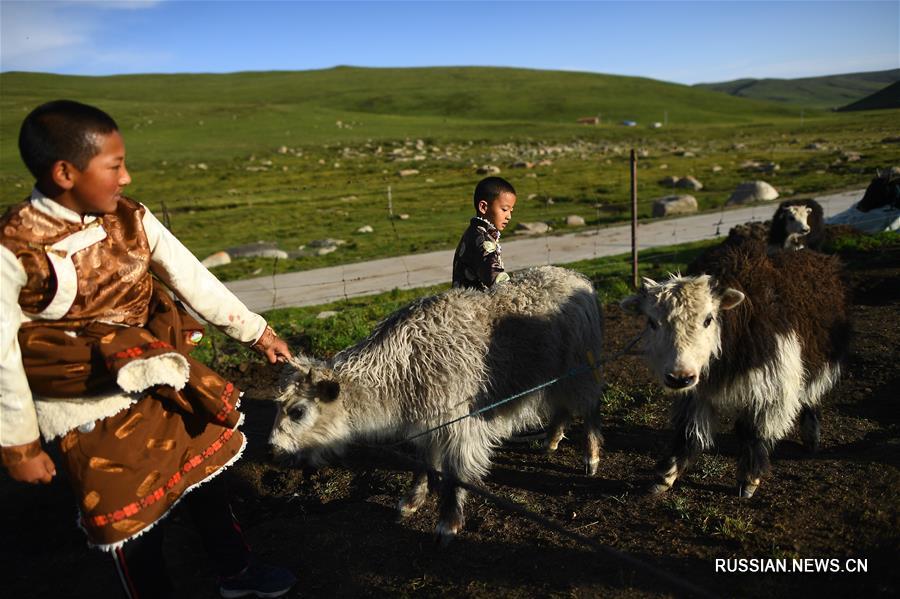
point(235, 458)
point(56, 416)
point(66, 277)
point(166, 369)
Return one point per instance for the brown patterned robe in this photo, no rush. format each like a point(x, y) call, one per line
point(129, 469)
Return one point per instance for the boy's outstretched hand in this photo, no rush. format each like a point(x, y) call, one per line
point(29, 467)
point(272, 347)
point(277, 352)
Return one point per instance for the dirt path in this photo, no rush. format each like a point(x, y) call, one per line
point(323, 285)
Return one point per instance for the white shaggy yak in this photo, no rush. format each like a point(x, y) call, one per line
point(756, 336)
point(443, 357)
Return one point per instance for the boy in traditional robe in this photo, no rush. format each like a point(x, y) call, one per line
point(95, 354)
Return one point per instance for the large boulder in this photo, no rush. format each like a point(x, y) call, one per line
point(675, 204)
point(752, 191)
point(573, 220)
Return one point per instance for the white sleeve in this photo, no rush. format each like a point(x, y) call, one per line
point(203, 292)
point(18, 419)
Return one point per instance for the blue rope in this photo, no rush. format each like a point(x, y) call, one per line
point(572, 372)
point(592, 365)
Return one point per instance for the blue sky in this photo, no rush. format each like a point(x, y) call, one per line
point(685, 42)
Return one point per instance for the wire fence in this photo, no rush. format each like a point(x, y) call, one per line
point(609, 243)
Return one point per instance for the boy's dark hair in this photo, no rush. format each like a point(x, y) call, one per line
point(62, 130)
point(490, 188)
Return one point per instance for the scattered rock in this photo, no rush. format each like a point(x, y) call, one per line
point(752, 191)
point(326, 314)
point(522, 164)
point(217, 259)
point(689, 183)
point(488, 169)
point(669, 181)
point(260, 249)
point(321, 243)
point(365, 229)
point(535, 228)
point(675, 204)
point(815, 146)
point(716, 168)
point(403, 216)
point(573, 220)
point(407, 172)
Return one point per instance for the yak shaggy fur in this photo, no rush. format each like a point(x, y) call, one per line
point(443, 357)
point(776, 353)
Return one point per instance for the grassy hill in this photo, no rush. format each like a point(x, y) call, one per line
point(215, 113)
point(886, 98)
point(810, 92)
point(293, 157)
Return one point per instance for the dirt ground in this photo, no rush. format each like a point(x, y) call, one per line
point(337, 527)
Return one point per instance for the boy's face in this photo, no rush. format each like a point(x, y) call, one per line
point(98, 188)
point(498, 212)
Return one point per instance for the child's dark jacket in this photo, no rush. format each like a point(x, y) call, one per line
point(477, 263)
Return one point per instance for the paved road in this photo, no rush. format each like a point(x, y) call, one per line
point(323, 285)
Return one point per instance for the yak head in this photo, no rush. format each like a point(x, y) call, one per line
point(796, 219)
point(683, 327)
point(311, 424)
point(796, 225)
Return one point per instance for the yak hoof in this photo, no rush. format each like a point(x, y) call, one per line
point(406, 508)
point(746, 490)
point(445, 533)
point(658, 489)
point(592, 466)
point(812, 445)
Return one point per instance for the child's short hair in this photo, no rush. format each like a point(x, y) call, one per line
point(62, 130)
point(490, 188)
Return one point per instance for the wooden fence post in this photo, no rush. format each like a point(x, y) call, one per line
point(634, 247)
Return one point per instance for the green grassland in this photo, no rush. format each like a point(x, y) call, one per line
point(828, 92)
point(290, 157)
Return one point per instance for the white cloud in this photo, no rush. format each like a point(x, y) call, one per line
point(51, 36)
